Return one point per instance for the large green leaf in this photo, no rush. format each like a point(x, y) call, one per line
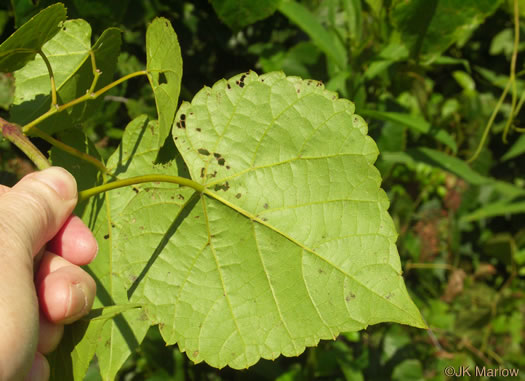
point(164, 64)
point(69, 55)
point(239, 13)
point(22, 46)
point(429, 27)
point(291, 241)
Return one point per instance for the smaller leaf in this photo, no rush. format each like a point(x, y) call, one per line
point(69, 55)
point(517, 149)
point(414, 123)
point(22, 46)
point(239, 13)
point(71, 359)
point(449, 163)
point(324, 40)
point(429, 27)
point(164, 65)
point(496, 209)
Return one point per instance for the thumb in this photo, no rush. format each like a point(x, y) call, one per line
point(33, 211)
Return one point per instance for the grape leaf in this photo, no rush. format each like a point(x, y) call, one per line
point(289, 243)
point(164, 65)
point(293, 223)
point(22, 46)
point(69, 55)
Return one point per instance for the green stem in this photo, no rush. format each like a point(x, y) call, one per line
point(489, 124)
point(28, 127)
point(96, 72)
point(13, 133)
point(429, 266)
point(513, 69)
point(83, 195)
point(51, 77)
point(71, 150)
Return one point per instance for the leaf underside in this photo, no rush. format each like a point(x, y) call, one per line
point(290, 242)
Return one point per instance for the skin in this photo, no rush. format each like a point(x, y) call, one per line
point(42, 285)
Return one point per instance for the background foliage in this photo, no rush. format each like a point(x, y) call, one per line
point(427, 76)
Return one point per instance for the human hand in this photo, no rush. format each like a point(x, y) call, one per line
point(42, 286)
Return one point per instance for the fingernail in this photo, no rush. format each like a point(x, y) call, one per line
point(60, 180)
point(77, 301)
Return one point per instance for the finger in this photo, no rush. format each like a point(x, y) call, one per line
point(39, 370)
point(74, 242)
point(65, 291)
point(3, 189)
point(49, 335)
point(35, 208)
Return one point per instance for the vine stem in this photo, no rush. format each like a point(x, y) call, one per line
point(510, 83)
point(51, 78)
point(89, 95)
point(13, 133)
point(513, 68)
point(84, 195)
point(71, 150)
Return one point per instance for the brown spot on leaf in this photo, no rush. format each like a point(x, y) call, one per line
point(238, 195)
point(202, 172)
point(223, 187)
point(135, 189)
point(180, 197)
point(198, 129)
point(350, 296)
point(106, 236)
point(183, 117)
point(265, 206)
point(203, 151)
point(221, 161)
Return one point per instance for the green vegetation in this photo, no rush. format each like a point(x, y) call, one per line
point(239, 229)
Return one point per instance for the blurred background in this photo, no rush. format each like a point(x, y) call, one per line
point(440, 83)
